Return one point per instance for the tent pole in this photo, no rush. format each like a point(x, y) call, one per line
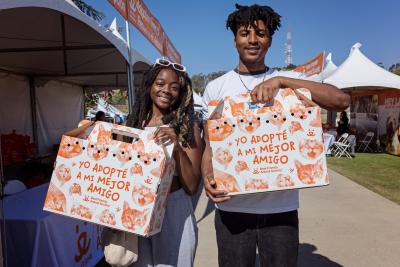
point(33, 110)
point(64, 45)
point(131, 91)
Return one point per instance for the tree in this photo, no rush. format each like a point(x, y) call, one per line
point(289, 67)
point(200, 81)
point(89, 10)
point(395, 68)
point(91, 100)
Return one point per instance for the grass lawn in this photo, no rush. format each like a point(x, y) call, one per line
point(378, 172)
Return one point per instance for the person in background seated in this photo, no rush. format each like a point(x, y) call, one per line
point(343, 124)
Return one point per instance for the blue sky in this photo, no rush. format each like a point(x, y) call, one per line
point(197, 29)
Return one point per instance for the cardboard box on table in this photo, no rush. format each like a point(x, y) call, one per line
point(261, 148)
point(112, 183)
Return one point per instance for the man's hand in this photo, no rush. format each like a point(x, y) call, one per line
point(265, 91)
point(210, 186)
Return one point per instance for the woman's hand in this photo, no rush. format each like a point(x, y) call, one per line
point(166, 136)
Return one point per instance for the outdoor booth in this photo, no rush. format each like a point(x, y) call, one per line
point(50, 55)
point(375, 99)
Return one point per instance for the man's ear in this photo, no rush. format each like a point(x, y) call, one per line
point(234, 41)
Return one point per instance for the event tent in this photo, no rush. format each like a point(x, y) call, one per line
point(375, 98)
point(359, 71)
point(50, 53)
point(330, 67)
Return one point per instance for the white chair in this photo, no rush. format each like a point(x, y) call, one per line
point(364, 144)
point(344, 148)
point(13, 187)
point(334, 146)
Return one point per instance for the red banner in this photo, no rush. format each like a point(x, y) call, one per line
point(170, 50)
point(313, 66)
point(140, 16)
point(120, 6)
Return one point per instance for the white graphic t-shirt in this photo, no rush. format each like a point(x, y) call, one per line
point(231, 84)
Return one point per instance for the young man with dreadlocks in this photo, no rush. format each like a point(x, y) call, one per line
point(165, 105)
point(267, 221)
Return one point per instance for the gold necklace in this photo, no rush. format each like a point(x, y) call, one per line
point(240, 78)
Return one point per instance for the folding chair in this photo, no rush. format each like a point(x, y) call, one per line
point(364, 144)
point(344, 147)
point(334, 146)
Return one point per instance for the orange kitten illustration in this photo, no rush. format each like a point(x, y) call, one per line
point(237, 109)
point(248, 124)
point(309, 173)
point(311, 133)
point(55, 199)
point(316, 122)
point(225, 181)
point(124, 152)
point(310, 148)
point(241, 166)
point(295, 126)
point(287, 92)
point(138, 146)
point(107, 217)
point(103, 136)
point(136, 169)
point(97, 151)
point(63, 173)
point(133, 219)
point(75, 189)
point(274, 113)
point(276, 108)
point(81, 211)
point(219, 130)
point(143, 195)
point(299, 111)
point(284, 180)
point(255, 184)
point(223, 156)
point(159, 167)
point(70, 147)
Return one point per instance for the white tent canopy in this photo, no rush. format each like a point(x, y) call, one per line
point(55, 40)
point(330, 67)
point(50, 53)
point(359, 71)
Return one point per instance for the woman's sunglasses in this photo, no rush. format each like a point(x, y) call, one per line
point(166, 63)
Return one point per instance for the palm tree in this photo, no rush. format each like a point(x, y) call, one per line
point(89, 10)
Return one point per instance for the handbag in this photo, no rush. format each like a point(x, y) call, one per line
point(120, 248)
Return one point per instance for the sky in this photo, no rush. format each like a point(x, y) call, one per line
point(197, 30)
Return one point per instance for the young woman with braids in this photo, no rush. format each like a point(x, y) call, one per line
point(165, 102)
point(267, 222)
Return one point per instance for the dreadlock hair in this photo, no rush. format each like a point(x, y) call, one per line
point(247, 16)
point(182, 113)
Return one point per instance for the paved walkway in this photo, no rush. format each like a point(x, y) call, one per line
point(343, 224)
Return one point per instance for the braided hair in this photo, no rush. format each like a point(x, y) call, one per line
point(181, 116)
point(248, 15)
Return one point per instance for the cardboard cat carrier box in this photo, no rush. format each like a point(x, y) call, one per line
point(112, 183)
point(267, 147)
